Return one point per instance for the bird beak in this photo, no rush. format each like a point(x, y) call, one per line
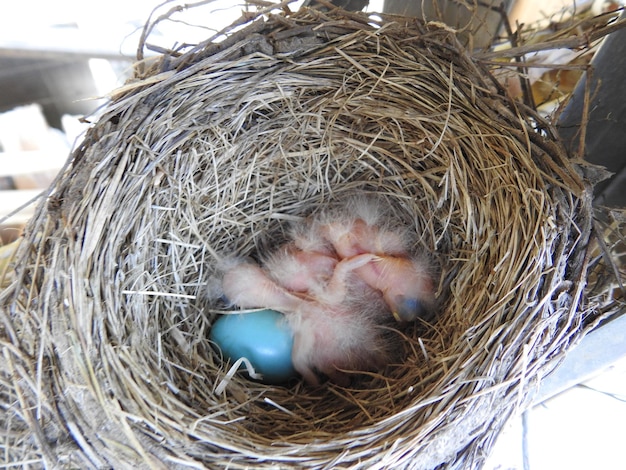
point(406, 309)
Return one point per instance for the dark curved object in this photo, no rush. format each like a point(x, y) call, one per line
point(605, 142)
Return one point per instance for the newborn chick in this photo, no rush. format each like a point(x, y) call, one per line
point(345, 270)
point(362, 227)
point(333, 338)
point(405, 284)
point(300, 271)
point(247, 285)
point(336, 325)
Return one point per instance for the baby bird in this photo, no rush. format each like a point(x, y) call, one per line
point(247, 285)
point(334, 338)
point(405, 283)
point(344, 275)
point(362, 227)
point(300, 271)
point(336, 324)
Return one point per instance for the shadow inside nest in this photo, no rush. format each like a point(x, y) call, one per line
point(291, 410)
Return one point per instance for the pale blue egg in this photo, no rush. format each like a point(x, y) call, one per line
point(263, 337)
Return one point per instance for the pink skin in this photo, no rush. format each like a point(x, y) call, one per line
point(405, 284)
point(335, 338)
point(300, 271)
point(362, 225)
point(357, 237)
point(248, 286)
point(330, 333)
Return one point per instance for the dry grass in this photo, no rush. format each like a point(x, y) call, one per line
point(104, 329)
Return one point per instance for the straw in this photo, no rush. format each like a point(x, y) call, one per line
point(104, 328)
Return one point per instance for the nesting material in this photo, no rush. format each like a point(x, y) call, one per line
point(104, 330)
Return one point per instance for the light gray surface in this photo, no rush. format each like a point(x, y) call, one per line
point(596, 352)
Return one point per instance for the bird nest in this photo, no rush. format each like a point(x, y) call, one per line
point(105, 328)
